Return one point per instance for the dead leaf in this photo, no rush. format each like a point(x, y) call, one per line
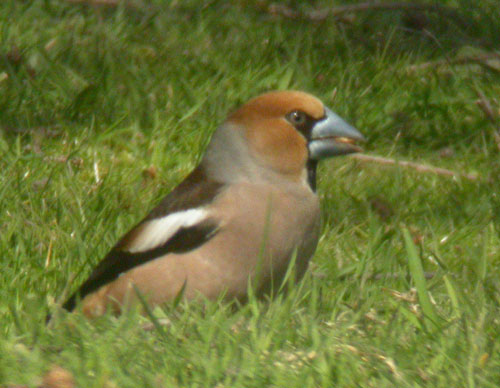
point(58, 377)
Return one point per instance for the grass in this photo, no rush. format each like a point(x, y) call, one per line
point(104, 110)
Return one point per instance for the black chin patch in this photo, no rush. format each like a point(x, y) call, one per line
point(311, 173)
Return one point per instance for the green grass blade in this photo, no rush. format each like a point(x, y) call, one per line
point(149, 313)
point(431, 319)
point(450, 288)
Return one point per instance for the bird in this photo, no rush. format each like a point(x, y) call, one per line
point(240, 218)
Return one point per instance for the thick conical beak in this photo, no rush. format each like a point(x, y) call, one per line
point(332, 136)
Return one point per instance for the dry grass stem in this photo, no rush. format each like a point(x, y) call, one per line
point(415, 166)
point(338, 12)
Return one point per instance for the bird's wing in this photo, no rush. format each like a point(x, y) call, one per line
point(179, 224)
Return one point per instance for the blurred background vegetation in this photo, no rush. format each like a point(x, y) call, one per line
point(106, 105)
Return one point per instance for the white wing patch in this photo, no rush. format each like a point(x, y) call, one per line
point(157, 232)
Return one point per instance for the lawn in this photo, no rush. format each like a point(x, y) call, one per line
point(104, 109)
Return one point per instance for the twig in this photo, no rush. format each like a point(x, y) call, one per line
point(484, 104)
point(479, 59)
point(486, 107)
point(106, 3)
point(416, 166)
point(337, 12)
point(112, 3)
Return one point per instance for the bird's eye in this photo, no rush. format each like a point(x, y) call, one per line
point(297, 117)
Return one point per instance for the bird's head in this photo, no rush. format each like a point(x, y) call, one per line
point(284, 131)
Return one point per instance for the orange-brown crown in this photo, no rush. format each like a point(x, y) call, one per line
point(271, 138)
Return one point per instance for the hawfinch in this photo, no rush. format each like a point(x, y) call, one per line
point(238, 219)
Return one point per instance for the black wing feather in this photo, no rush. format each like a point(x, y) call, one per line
point(195, 191)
